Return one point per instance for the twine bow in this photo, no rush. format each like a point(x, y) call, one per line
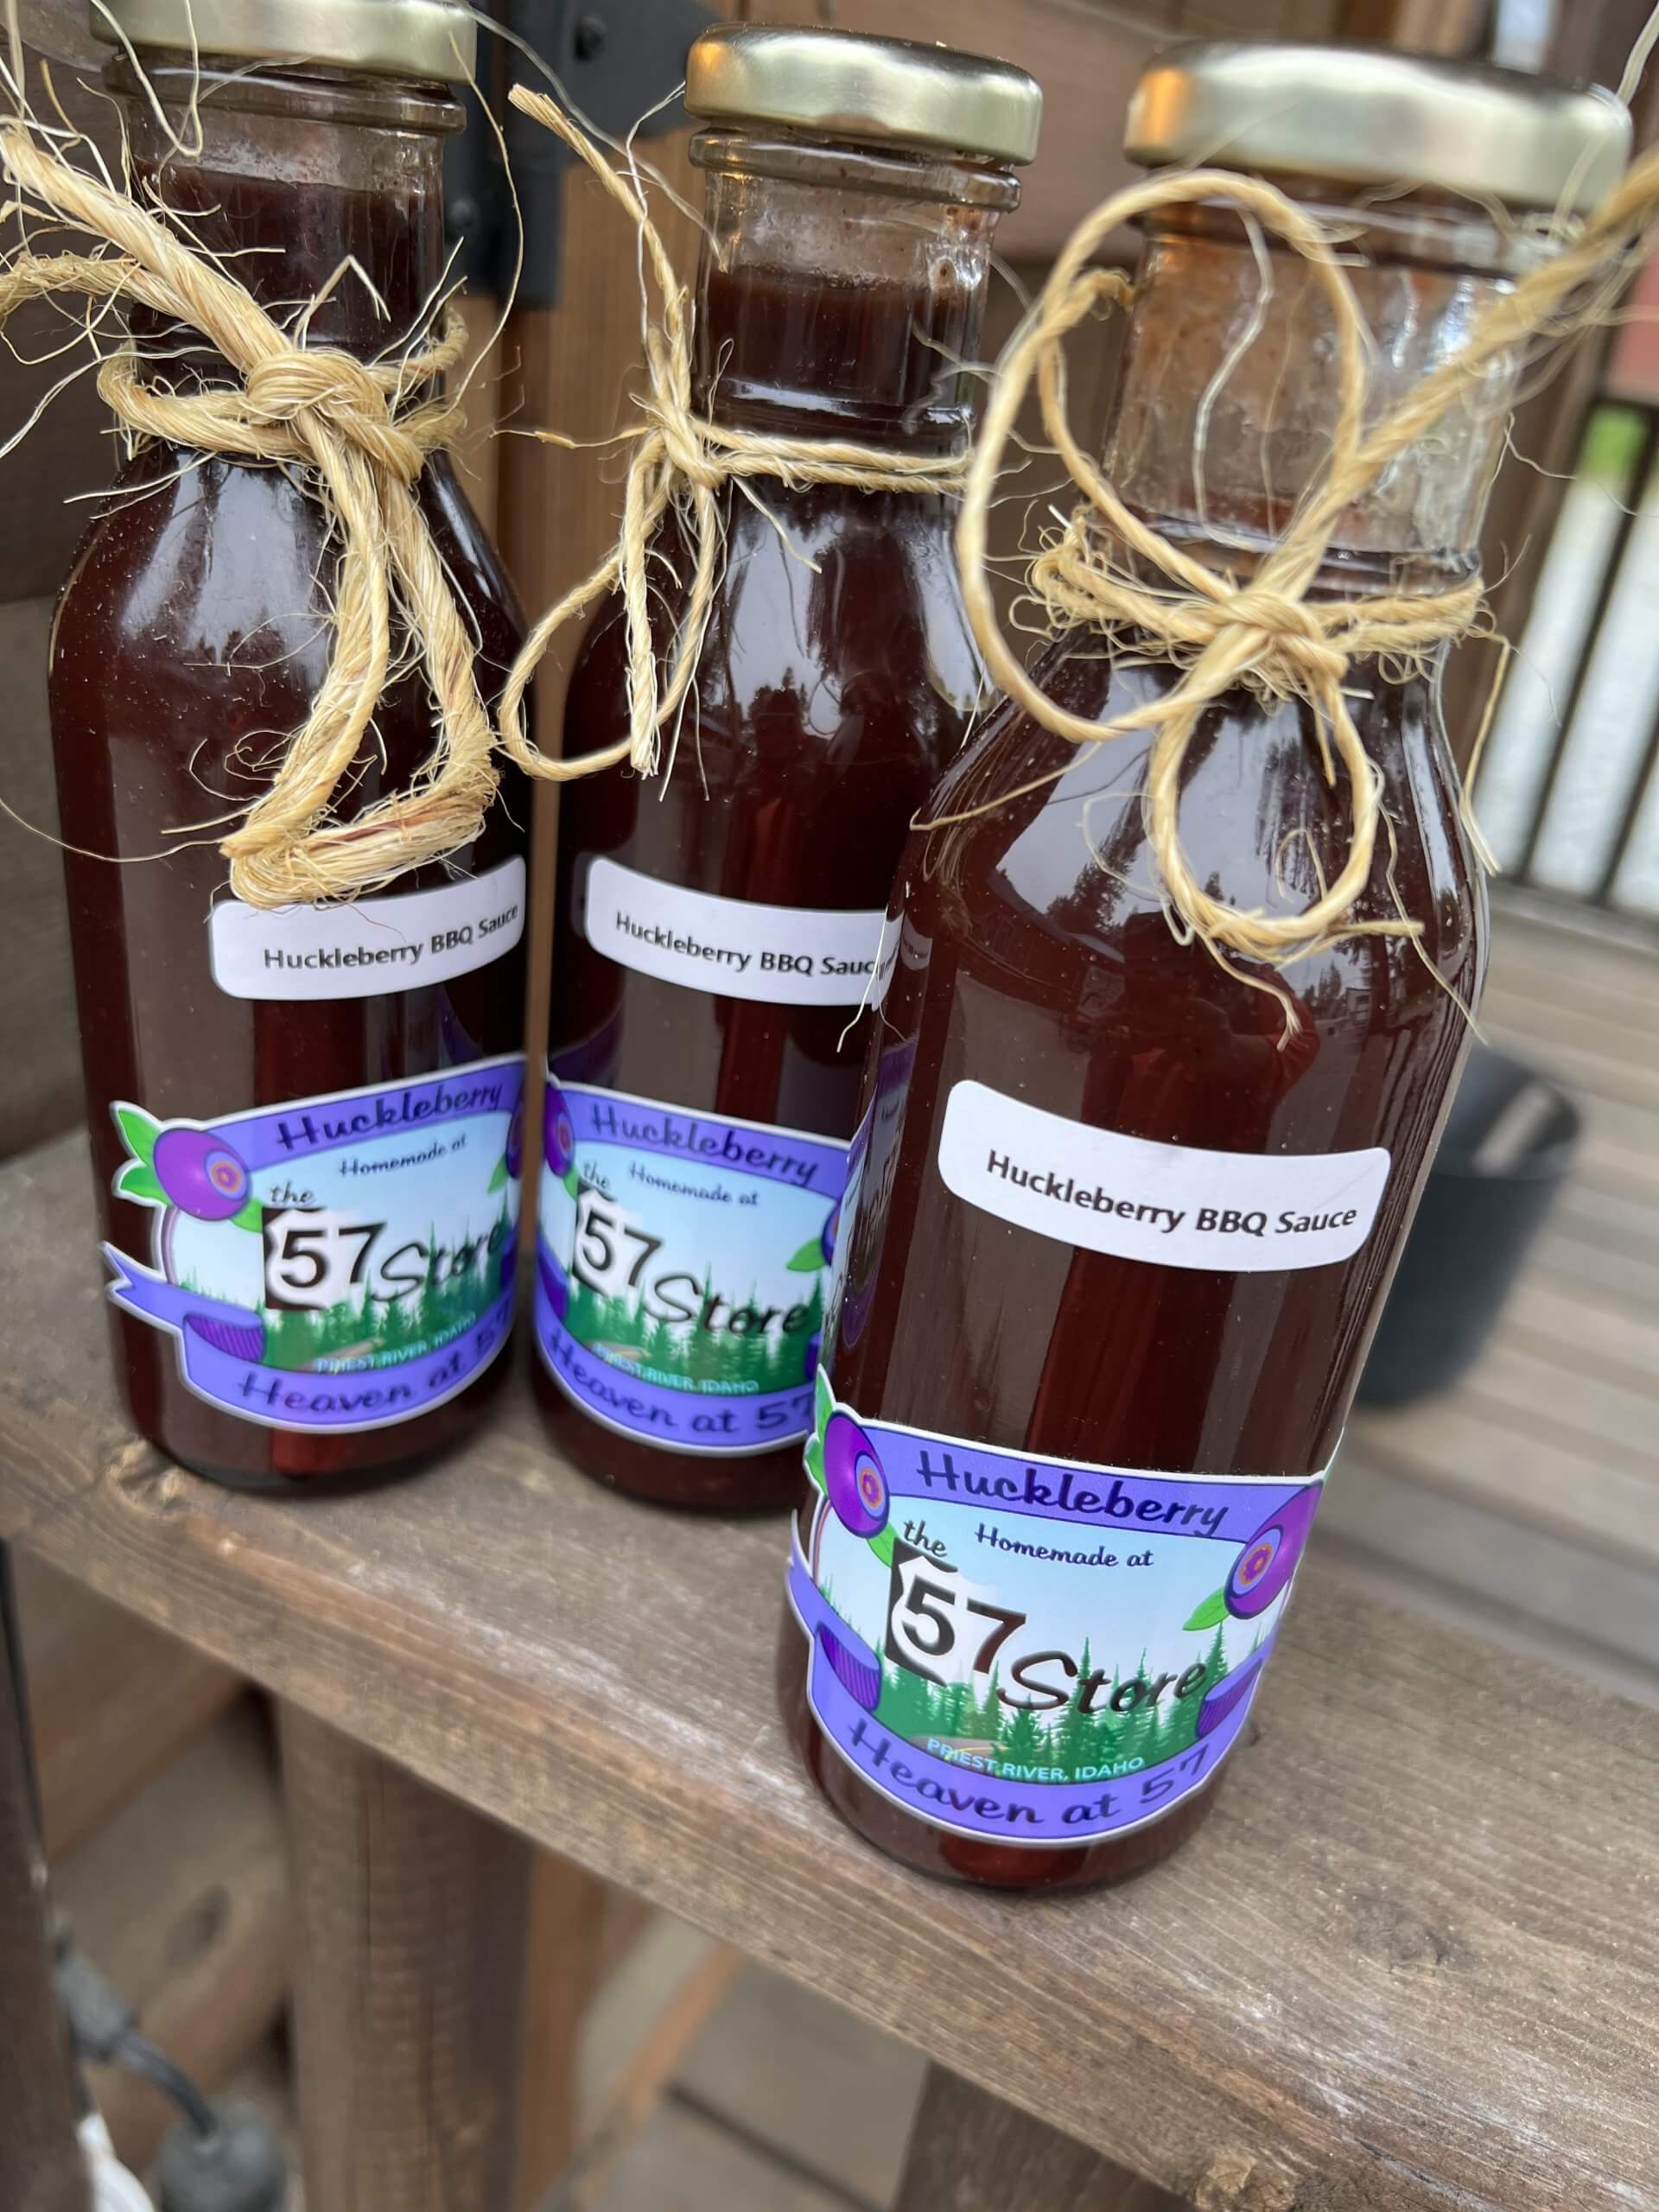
point(346, 423)
point(1266, 631)
point(683, 461)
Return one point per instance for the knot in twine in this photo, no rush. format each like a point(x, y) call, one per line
point(683, 461)
point(345, 422)
point(1267, 633)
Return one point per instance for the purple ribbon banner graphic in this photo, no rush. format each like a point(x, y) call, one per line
point(221, 1348)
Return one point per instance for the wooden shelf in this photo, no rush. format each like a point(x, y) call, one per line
point(1411, 1961)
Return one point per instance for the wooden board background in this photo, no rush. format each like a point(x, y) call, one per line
point(1409, 1965)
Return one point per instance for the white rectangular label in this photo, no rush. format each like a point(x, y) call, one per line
point(737, 948)
point(1175, 1204)
point(368, 946)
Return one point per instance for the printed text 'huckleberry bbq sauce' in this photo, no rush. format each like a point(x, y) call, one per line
point(719, 935)
point(1117, 1241)
point(306, 1122)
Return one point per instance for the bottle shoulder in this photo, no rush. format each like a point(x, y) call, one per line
point(836, 635)
point(836, 678)
point(190, 556)
point(194, 633)
point(1036, 858)
point(209, 581)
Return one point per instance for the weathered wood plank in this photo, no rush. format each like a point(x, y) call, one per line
point(111, 1701)
point(561, 1973)
point(805, 2078)
point(1620, 1163)
point(1473, 1447)
point(1603, 1018)
point(632, 2098)
point(1591, 1337)
point(970, 2152)
point(625, 1921)
point(1521, 1391)
point(182, 1901)
point(683, 2163)
point(1411, 1962)
point(410, 1914)
point(1617, 982)
point(1564, 957)
point(1539, 1592)
point(1572, 1260)
point(40, 2168)
point(666, 1959)
point(1611, 1221)
point(1593, 1067)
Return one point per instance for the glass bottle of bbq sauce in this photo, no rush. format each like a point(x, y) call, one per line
point(306, 1125)
point(1118, 1243)
point(720, 928)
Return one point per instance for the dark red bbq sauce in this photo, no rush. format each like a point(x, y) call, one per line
point(835, 680)
point(191, 635)
point(953, 1320)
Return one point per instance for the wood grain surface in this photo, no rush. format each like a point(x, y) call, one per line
point(562, 1965)
point(1556, 1428)
point(111, 1700)
point(1411, 1960)
point(409, 1918)
point(808, 2084)
point(971, 2152)
point(182, 1902)
point(40, 2169)
point(684, 2162)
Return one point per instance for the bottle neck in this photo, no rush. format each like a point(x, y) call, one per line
point(321, 192)
point(841, 292)
point(1227, 400)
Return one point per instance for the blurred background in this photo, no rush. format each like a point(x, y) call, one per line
point(1504, 1473)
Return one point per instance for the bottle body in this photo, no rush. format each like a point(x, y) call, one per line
point(1124, 1216)
point(1070, 1410)
point(775, 839)
point(719, 930)
point(312, 1256)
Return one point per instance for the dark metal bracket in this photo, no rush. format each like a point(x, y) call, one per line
point(615, 62)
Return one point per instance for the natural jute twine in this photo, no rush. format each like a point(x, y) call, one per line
point(1265, 633)
point(346, 425)
point(680, 460)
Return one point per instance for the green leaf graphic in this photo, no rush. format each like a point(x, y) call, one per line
point(814, 1456)
point(823, 1398)
point(1211, 1612)
point(573, 1181)
point(251, 1216)
point(137, 1180)
point(140, 1129)
point(498, 1180)
point(809, 1258)
point(882, 1547)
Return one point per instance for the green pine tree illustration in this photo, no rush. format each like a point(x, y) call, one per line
point(1024, 1742)
point(1072, 1744)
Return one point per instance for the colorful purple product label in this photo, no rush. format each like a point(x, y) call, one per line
point(1034, 1651)
point(682, 1262)
point(338, 1262)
